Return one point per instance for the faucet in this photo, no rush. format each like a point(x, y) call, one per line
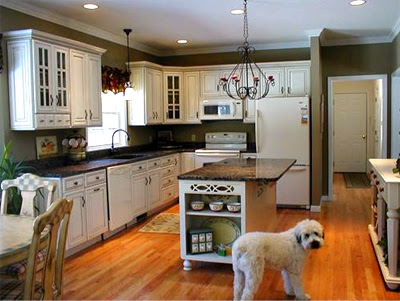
point(112, 139)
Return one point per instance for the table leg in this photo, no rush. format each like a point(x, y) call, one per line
point(393, 239)
point(187, 265)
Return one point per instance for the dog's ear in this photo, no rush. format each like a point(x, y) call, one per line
point(298, 237)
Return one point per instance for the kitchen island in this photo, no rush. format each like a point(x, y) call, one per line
point(250, 182)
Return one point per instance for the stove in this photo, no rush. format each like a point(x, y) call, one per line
point(220, 146)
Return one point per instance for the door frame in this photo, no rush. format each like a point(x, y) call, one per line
point(333, 79)
point(395, 80)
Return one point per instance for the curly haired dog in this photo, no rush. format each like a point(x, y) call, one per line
point(284, 251)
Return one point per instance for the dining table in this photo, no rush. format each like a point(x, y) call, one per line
point(15, 238)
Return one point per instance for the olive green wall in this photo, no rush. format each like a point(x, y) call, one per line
point(24, 142)
point(396, 52)
point(316, 137)
point(353, 60)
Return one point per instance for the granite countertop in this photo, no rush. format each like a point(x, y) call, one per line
point(101, 163)
point(248, 170)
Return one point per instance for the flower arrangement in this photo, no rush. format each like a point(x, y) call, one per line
point(113, 79)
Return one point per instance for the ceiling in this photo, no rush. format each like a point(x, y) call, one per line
point(209, 26)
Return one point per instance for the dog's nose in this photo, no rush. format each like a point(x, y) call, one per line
point(315, 245)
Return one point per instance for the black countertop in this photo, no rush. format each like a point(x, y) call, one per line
point(247, 170)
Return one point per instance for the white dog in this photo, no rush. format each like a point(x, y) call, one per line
point(284, 251)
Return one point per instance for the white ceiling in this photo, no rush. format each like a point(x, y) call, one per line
point(209, 26)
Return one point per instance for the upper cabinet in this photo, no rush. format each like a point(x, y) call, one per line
point(48, 82)
point(191, 96)
point(173, 91)
point(146, 107)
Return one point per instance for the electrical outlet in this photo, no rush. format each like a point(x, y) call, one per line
point(193, 137)
point(150, 139)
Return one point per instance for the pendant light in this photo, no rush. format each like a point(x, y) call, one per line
point(246, 80)
point(129, 91)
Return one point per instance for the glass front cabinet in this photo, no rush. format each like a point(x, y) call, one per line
point(173, 106)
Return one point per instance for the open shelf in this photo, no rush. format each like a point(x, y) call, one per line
point(207, 212)
point(209, 257)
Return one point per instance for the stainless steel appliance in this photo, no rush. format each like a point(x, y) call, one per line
point(217, 109)
point(220, 146)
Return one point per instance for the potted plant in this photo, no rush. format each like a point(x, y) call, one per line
point(11, 170)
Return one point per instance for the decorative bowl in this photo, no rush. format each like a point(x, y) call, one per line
point(234, 207)
point(216, 206)
point(197, 205)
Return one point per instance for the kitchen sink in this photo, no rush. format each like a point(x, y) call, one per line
point(129, 156)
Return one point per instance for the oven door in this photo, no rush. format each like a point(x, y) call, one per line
point(204, 158)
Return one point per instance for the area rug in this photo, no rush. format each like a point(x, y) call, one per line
point(356, 180)
point(163, 223)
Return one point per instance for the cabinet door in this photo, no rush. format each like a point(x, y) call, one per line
point(96, 210)
point(249, 111)
point(278, 90)
point(149, 107)
point(137, 114)
point(43, 77)
point(192, 93)
point(157, 96)
point(173, 97)
point(94, 89)
point(210, 84)
point(139, 194)
point(153, 191)
point(61, 79)
point(188, 162)
point(79, 89)
point(77, 232)
point(298, 81)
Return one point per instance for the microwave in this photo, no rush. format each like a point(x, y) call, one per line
point(218, 109)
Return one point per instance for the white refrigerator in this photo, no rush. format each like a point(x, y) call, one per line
point(282, 131)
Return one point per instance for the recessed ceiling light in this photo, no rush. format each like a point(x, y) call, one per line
point(237, 11)
point(357, 2)
point(182, 41)
point(91, 6)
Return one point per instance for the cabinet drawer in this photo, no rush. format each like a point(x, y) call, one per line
point(139, 167)
point(40, 121)
point(50, 121)
point(152, 164)
point(168, 181)
point(167, 160)
point(95, 177)
point(74, 183)
point(168, 193)
point(168, 171)
point(59, 121)
point(67, 120)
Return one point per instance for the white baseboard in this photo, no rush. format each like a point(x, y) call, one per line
point(325, 198)
point(315, 208)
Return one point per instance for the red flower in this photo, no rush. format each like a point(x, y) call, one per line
point(255, 78)
point(223, 79)
point(271, 78)
point(234, 76)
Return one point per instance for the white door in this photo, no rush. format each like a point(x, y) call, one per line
point(298, 81)
point(350, 130)
point(157, 96)
point(293, 189)
point(139, 194)
point(61, 78)
point(278, 90)
point(96, 210)
point(94, 89)
point(79, 88)
point(44, 77)
point(395, 115)
point(77, 225)
point(192, 92)
point(188, 162)
point(154, 197)
point(149, 84)
point(173, 97)
point(210, 83)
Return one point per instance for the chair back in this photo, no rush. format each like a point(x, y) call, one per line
point(28, 184)
point(55, 223)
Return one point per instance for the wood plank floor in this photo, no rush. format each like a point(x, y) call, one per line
point(134, 265)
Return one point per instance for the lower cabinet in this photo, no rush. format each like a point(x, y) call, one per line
point(77, 231)
point(154, 199)
point(96, 210)
point(188, 162)
point(139, 185)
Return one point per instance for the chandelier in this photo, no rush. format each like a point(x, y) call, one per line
point(129, 91)
point(247, 79)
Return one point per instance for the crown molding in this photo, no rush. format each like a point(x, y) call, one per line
point(315, 32)
point(396, 29)
point(47, 15)
point(357, 41)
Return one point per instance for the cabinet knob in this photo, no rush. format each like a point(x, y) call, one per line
point(381, 189)
point(282, 90)
point(75, 183)
point(85, 114)
point(288, 90)
point(97, 178)
point(140, 167)
point(374, 176)
point(377, 182)
point(371, 172)
point(97, 189)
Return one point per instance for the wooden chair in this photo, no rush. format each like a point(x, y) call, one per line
point(54, 221)
point(28, 184)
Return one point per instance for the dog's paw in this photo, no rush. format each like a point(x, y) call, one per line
point(303, 297)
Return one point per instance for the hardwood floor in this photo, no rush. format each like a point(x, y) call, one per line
point(134, 265)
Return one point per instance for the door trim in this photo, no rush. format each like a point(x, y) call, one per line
point(333, 79)
point(395, 98)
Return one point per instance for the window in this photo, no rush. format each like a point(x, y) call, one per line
point(114, 117)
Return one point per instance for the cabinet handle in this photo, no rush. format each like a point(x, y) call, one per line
point(166, 115)
point(246, 114)
point(85, 114)
point(217, 87)
point(156, 115)
point(97, 189)
point(58, 101)
point(140, 167)
point(75, 183)
point(288, 90)
point(149, 180)
point(377, 182)
point(97, 178)
point(59, 120)
point(52, 100)
point(197, 114)
point(91, 114)
point(83, 201)
point(281, 90)
point(51, 120)
point(176, 161)
point(41, 121)
point(169, 194)
point(381, 189)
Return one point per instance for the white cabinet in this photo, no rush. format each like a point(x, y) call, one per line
point(154, 197)
point(191, 96)
point(139, 194)
point(210, 84)
point(146, 107)
point(85, 71)
point(298, 81)
point(39, 69)
point(279, 89)
point(89, 217)
point(188, 162)
point(173, 97)
point(249, 111)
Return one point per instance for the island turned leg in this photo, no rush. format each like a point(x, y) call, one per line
point(393, 240)
point(187, 265)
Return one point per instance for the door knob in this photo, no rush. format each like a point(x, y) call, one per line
point(363, 136)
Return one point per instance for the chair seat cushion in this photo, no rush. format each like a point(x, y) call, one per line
point(17, 269)
point(13, 289)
